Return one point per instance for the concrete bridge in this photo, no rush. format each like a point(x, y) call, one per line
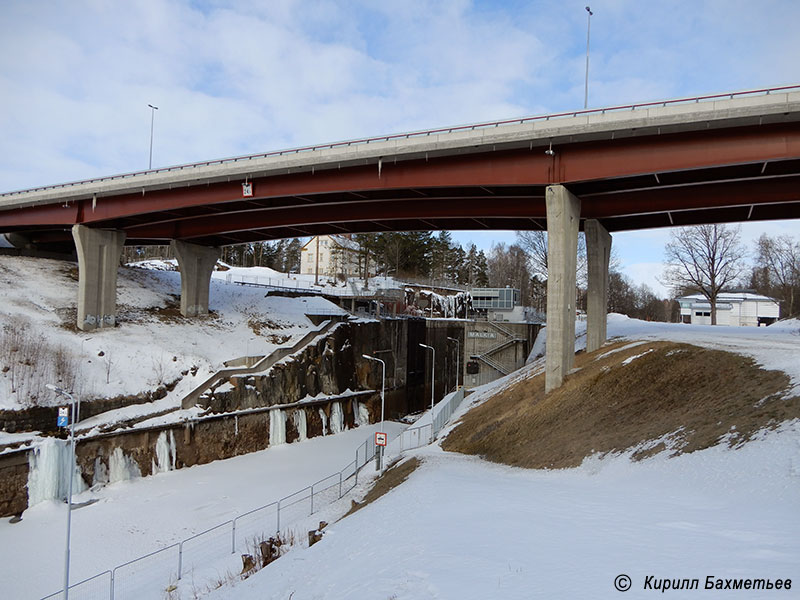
point(721, 158)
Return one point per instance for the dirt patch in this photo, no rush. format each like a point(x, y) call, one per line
point(256, 324)
point(697, 397)
point(394, 476)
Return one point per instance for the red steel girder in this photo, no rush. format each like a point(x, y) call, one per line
point(578, 162)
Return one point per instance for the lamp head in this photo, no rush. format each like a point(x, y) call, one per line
point(589, 10)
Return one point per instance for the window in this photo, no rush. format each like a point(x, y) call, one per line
point(310, 257)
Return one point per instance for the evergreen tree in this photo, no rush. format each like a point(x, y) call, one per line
point(291, 261)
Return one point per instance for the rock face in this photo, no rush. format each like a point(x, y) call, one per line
point(329, 366)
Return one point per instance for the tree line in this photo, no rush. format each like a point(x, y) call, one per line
point(704, 259)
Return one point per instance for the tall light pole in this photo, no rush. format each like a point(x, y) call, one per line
point(61, 392)
point(153, 110)
point(586, 85)
point(383, 386)
point(458, 352)
point(433, 373)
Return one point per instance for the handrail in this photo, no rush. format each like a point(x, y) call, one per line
point(410, 134)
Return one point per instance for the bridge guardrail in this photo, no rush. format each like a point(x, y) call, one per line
point(414, 134)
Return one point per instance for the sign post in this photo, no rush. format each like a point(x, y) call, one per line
point(380, 438)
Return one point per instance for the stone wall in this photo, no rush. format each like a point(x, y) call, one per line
point(43, 418)
point(13, 483)
point(196, 443)
point(329, 366)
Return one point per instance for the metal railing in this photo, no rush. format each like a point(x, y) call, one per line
point(344, 292)
point(415, 134)
point(422, 435)
point(149, 576)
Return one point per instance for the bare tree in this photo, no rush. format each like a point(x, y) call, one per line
point(534, 243)
point(706, 258)
point(780, 258)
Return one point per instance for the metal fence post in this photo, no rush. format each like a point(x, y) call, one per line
point(278, 530)
point(312, 499)
point(340, 483)
point(233, 537)
point(111, 591)
point(180, 560)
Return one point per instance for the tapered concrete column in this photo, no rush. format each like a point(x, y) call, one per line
point(598, 252)
point(98, 258)
point(196, 264)
point(563, 217)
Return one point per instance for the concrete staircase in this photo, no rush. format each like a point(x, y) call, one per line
point(261, 365)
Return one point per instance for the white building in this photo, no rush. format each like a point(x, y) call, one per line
point(733, 308)
point(338, 256)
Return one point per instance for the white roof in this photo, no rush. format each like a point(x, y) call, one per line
point(730, 297)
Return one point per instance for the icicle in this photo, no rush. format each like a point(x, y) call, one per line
point(165, 453)
point(324, 418)
point(277, 427)
point(100, 472)
point(121, 467)
point(362, 414)
point(300, 424)
point(48, 473)
point(337, 418)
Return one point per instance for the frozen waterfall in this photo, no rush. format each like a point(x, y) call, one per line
point(121, 467)
point(300, 424)
point(165, 453)
point(48, 474)
point(337, 418)
point(277, 427)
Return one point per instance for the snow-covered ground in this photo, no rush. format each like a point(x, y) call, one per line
point(463, 528)
point(129, 519)
point(458, 528)
point(151, 345)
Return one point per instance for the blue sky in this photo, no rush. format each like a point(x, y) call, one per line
point(244, 77)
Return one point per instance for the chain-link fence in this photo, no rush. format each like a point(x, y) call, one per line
point(149, 576)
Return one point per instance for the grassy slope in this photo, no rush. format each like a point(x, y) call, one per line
point(697, 397)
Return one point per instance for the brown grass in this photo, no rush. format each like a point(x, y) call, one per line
point(394, 476)
point(700, 396)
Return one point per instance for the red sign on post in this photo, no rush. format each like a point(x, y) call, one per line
point(380, 438)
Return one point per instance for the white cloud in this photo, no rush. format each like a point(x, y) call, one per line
point(244, 77)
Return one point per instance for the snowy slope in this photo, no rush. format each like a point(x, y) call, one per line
point(153, 344)
point(462, 528)
point(136, 517)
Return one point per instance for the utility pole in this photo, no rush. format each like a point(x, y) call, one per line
point(316, 276)
point(152, 120)
point(586, 85)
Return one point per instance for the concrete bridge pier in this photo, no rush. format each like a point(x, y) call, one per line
point(563, 218)
point(98, 258)
point(196, 264)
point(598, 252)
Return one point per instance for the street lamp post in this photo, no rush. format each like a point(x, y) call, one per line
point(458, 353)
point(433, 372)
point(61, 392)
point(383, 387)
point(586, 85)
point(152, 120)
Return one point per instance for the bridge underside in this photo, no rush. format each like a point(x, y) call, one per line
point(629, 182)
point(626, 184)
